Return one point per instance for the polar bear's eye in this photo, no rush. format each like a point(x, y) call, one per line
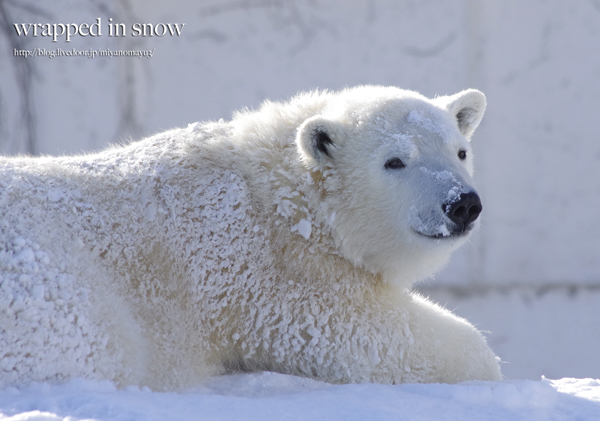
point(462, 154)
point(394, 164)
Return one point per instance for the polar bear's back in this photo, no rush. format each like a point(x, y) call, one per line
point(43, 303)
point(82, 239)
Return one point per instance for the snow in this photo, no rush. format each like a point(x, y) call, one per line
point(444, 175)
point(403, 143)
point(304, 228)
point(417, 117)
point(272, 396)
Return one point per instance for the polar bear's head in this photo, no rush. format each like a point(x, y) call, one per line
point(396, 172)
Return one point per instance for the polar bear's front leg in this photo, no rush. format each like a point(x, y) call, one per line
point(448, 348)
point(401, 338)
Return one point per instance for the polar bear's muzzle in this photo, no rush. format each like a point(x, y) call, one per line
point(457, 217)
point(463, 212)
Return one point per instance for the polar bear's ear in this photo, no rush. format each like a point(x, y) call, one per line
point(317, 139)
point(467, 107)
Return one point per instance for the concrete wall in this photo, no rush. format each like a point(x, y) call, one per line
point(537, 150)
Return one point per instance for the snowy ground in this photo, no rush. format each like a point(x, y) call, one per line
point(271, 396)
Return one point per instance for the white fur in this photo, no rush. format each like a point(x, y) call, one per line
point(239, 245)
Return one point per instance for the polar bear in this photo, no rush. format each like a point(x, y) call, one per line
point(286, 239)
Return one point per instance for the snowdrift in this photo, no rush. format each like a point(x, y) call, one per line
point(272, 396)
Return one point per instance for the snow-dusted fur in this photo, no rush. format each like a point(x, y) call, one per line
point(277, 241)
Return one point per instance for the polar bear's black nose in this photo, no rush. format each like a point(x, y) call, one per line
point(464, 211)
